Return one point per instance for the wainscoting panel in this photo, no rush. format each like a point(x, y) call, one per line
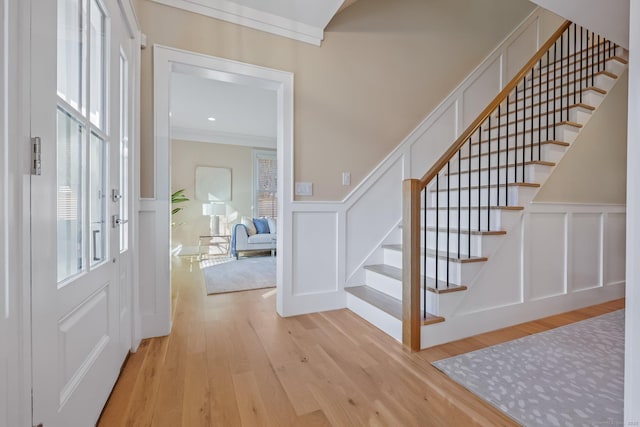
point(519, 50)
point(385, 199)
point(483, 87)
point(435, 140)
point(154, 283)
point(615, 248)
point(314, 253)
point(545, 255)
point(83, 335)
point(585, 251)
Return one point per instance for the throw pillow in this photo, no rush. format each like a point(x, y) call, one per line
point(262, 226)
point(272, 225)
point(248, 222)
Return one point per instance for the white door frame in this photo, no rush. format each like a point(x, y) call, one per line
point(154, 219)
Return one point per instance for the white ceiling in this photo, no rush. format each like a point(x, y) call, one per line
point(608, 18)
point(303, 20)
point(244, 115)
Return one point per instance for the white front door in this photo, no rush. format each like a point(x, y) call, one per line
point(80, 267)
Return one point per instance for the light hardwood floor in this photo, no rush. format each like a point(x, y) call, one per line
point(232, 361)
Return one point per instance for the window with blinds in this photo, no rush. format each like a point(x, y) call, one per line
point(266, 188)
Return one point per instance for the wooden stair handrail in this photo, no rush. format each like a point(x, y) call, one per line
point(473, 127)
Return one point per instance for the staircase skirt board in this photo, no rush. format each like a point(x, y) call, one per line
point(488, 186)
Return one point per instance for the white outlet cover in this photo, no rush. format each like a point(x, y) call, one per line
point(304, 189)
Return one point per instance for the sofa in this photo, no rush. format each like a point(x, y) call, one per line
point(254, 234)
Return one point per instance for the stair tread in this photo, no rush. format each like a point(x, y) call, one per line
point(388, 304)
point(476, 187)
point(510, 165)
point(440, 254)
point(384, 302)
point(432, 286)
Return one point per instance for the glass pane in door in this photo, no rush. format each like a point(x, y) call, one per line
point(124, 153)
point(70, 185)
point(71, 55)
point(97, 199)
point(97, 64)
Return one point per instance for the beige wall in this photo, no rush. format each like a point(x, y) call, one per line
point(185, 157)
point(594, 170)
point(383, 66)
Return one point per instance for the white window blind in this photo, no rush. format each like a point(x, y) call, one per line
point(266, 194)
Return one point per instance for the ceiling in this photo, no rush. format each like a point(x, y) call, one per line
point(303, 20)
point(244, 115)
point(608, 18)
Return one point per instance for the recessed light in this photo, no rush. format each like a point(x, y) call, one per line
point(211, 119)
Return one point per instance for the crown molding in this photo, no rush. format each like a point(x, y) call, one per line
point(252, 18)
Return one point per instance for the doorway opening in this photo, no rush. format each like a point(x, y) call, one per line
point(218, 209)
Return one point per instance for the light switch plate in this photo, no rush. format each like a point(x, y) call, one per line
point(346, 178)
point(304, 189)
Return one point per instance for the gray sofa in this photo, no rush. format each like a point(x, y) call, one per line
point(243, 241)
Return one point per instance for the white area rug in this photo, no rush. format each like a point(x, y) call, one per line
point(568, 376)
point(225, 274)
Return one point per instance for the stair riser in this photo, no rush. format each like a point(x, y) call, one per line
point(459, 273)
point(566, 133)
point(511, 196)
point(480, 245)
point(569, 85)
point(387, 323)
point(498, 219)
point(532, 173)
point(547, 152)
point(589, 97)
point(576, 114)
point(393, 258)
point(384, 284)
point(443, 304)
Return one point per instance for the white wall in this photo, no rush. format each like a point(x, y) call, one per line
point(632, 337)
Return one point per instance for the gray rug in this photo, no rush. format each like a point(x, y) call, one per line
point(224, 274)
point(568, 376)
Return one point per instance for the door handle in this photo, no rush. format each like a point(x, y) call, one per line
point(116, 221)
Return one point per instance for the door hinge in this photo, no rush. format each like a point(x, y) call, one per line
point(36, 159)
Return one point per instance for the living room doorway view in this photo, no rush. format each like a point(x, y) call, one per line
point(223, 183)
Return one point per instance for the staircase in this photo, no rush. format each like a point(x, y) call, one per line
point(456, 217)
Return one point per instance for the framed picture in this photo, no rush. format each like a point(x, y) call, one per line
point(213, 184)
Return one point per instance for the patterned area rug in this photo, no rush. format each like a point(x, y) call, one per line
point(568, 376)
point(226, 274)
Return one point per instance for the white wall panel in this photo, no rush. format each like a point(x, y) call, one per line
point(520, 51)
point(148, 268)
point(498, 286)
point(545, 255)
point(428, 148)
point(382, 202)
point(585, 251)
point(82, 336)
point(615, 248)
point(314, 252)
point(476, 97)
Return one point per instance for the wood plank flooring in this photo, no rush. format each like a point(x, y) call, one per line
point(232, 361)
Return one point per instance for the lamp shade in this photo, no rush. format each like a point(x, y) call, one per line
point(213, 209)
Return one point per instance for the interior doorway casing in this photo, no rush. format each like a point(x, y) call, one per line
point(154, 237)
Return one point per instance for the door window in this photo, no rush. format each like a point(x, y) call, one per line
point(82, 142)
